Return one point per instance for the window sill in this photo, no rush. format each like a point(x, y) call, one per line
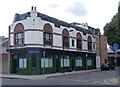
point(19, 45)
point(48, 46)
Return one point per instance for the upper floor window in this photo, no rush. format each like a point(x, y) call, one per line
point(47, 35)
point(89, 43)
point(79, 41)
point(47, 38)
point(19, 38)
point(72, 42)
point(65, 37)
point(19, 34)
point(94, 47)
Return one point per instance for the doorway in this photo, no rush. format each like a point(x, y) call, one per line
point(14, 65)
point(57, 65)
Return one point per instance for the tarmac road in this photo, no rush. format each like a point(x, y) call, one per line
point(91, 78)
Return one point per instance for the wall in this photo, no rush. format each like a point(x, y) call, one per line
point(5, 57)
point(103, 48)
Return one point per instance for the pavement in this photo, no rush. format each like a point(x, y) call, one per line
point(38, 77)
point(114, 80)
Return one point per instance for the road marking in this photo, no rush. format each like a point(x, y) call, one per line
point(81, 80)
point(108, 82)
point(95, 82)
point(77, 80)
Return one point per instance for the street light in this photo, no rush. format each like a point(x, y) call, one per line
point(86, 60)
point(43, 63)
point(63, 61)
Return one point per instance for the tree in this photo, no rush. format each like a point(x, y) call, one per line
point(112, 30)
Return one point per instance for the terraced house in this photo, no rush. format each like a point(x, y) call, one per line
point(41, 44)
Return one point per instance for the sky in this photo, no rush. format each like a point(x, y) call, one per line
point(95, 13)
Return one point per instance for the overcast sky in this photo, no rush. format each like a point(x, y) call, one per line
point(94, 12)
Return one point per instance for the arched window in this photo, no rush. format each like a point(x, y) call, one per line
point(65, 38)
point(79, 41)
point(19, 34)
point(47, 34)
point(89, 43)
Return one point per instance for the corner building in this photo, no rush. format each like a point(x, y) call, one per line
point(40, 44)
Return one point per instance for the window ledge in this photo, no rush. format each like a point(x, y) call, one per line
point(48, 46)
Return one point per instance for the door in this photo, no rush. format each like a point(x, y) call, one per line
point(85, 64)
point(73, 64)
point(14, 65)
point(57, 65)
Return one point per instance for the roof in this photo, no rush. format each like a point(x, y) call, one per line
point(57, 22)
point(19, 17)
point(2, 39)
point(96, 31)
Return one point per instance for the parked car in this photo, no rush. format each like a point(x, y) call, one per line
point(105, 67)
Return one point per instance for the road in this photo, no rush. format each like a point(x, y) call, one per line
point(92, 78)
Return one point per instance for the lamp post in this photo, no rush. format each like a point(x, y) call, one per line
point(116, 64)
point(86, 60)
point(43, 63)
point(63, 61)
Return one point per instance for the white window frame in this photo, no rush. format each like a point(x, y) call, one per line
point(66, 61)
point(78, 62)
point(89, 62)
point(46, 62)
point(22, 63)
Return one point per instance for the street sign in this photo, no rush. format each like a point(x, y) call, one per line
point(115, 47)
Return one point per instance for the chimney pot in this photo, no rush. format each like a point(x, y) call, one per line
point(32, 8)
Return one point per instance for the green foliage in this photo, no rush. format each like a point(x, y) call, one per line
point(112, 30)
